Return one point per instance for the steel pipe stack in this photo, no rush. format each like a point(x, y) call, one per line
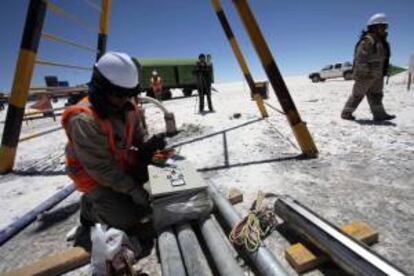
point(171, 263)
point(264, 261)
point(219, 249)
point(194, 260)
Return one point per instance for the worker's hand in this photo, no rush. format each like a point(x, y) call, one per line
point(156, 142)
point(147, 150)
point(140, 197)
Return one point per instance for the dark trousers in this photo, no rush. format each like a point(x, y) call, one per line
point(204, 88)
point(103, 205)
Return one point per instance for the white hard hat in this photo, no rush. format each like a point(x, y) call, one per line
point(118, 69)
point(154, 73)
point(376, 19)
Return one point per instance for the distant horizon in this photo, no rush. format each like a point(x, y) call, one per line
point(302, 38)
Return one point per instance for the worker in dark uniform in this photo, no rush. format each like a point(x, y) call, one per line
point(371, 60)
point(203, 73)
point(2, 101)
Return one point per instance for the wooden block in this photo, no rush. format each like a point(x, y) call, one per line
point(303, 259)
point(361, 231)
point(235, 196)
point(54, 264)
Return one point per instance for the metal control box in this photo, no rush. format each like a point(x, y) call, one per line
point(180, 177)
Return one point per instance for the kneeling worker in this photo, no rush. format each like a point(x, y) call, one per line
point(106, 155)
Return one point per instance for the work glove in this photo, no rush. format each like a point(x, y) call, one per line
point(140, 197)
point(148, 148)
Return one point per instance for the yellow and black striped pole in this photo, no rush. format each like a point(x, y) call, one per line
point(21, 83)
point(299, 128)
point(103, 28)
point(239, 56)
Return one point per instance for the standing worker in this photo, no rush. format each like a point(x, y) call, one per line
point(2, 101)
point(156, 85)
point(106, 154)
point(204, 79)
point(371, 60)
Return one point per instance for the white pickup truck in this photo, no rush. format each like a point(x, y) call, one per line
point(338, 70)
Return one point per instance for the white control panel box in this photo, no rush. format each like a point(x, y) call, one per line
point(180, 177)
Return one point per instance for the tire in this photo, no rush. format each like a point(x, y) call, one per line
point(150, 93)
point(316, 78)
point(187, 92)
point(348, 75)
point(166, 94)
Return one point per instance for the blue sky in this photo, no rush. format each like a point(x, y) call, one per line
point(303, 35)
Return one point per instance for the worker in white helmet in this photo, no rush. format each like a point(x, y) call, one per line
point(371, 60)
point(106, 154)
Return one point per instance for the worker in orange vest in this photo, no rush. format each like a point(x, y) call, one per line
point(107, 154)
point(156, 85)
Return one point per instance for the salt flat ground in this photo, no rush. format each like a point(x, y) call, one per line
point(365, 170)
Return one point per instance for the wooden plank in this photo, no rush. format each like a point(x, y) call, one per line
point(361, 231)
point(303, 258)
point(54, 264)
point(235, 196)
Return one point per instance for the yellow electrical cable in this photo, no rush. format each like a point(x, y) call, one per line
point(248, 232)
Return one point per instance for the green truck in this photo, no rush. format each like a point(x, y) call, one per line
point(175, 74)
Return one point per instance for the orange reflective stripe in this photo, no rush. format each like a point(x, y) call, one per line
point(69, 112)
point(122, 154)
point(83, 181)
point(130, 127)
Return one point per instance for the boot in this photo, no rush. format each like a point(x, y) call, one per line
point(82, 237)
point(384, 117)
point(348, 116)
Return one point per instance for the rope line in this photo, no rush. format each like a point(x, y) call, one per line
point(93, 5)
point(67, 41)
point(44, 111)
point(52, 89)
point(35, 135)
point(57, 10)
point(57, 64)
point(283, 136)
point(274, 108)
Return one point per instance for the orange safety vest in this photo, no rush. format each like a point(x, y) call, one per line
point(156, 84)
point(83, 181)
